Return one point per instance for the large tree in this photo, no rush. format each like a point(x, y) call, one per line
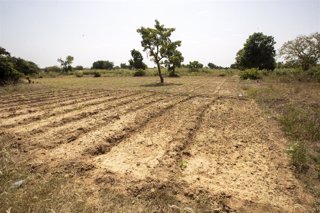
point(155, 41)
point(257, 52)
point(66, 64)
point(304, 50)
point(137, 60)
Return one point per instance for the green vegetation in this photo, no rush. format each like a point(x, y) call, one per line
point(250, 74)
point(194, 66)
point(139, 72)
point(12, 68)
point(108, 65)
point(303, 51)
point(137, 60)
point(258, 52)
point(66, 64)
point(157, 43)
point(293, 104)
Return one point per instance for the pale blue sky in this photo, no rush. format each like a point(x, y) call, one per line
point(211, 31)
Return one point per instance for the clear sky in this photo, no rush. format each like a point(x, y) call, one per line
point(210, 31)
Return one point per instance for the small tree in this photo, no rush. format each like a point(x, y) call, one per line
point(107, 65)
point(25, 67)
point(304, 51)
point(124, 66)
point(257, 52)
point(66, 64)
point(137, 60)
point(8, 73)
point(195, 66)
point(155, 42)
point(174, 57)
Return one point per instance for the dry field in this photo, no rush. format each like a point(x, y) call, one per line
point(197, 144)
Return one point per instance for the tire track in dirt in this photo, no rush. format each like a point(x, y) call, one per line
point(53, 111)
point(12, 107)
point(38, 125)
point(231, 155)
point(103, 139)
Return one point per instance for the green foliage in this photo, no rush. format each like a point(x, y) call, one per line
point(194, 66)
point(25, 67)
point(303, 51)
point(124, 66)
point(258, 52)
point(213, 66)
point(137, 60)
point(8, 72)
point(66, 64)
point(79, 67)
point(79, 74)
point(52, 69)
point(107, 65)
point(96, 74)
point(298, 155)
point(301, 124)
point(156, 41)
point(250, 74)
point(139, 73)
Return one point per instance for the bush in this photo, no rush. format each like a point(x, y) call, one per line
point(250, 74)
point(8, 74)
point(96, 74)
point(79, 74)
point(53, 69)
point(173, 75)
point(298, 155)
point(139, 73)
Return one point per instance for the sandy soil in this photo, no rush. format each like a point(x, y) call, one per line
point(221, 145)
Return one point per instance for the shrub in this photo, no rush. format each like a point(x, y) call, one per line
point(298, 155)
point(8, 74)
point(173, 75)
point(250, 74)
point(79, 74)
point(139, 73)
point(96, 74)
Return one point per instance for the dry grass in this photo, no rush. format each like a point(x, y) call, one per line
point(297, 108)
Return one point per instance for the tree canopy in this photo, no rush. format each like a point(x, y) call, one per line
point(107, 65)
point(66, 64)
point(304, 50)
point(257, 52)
point(195, 66)
point(156, 42)
point(12, 68)
point(137, 60)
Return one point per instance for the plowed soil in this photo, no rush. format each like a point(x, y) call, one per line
point(215, 150)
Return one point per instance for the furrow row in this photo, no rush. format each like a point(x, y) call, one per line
point(43, 105)
point(39, 125)
point(103, 139)
point(53, 110)
point(27, 103)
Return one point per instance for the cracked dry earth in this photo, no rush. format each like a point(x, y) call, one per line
point(216, 149)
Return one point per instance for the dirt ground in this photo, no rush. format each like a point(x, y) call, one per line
point(194, 145)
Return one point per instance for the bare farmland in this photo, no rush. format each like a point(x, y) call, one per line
point(195, 145)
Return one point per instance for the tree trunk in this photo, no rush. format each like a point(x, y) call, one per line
point(159, 72)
